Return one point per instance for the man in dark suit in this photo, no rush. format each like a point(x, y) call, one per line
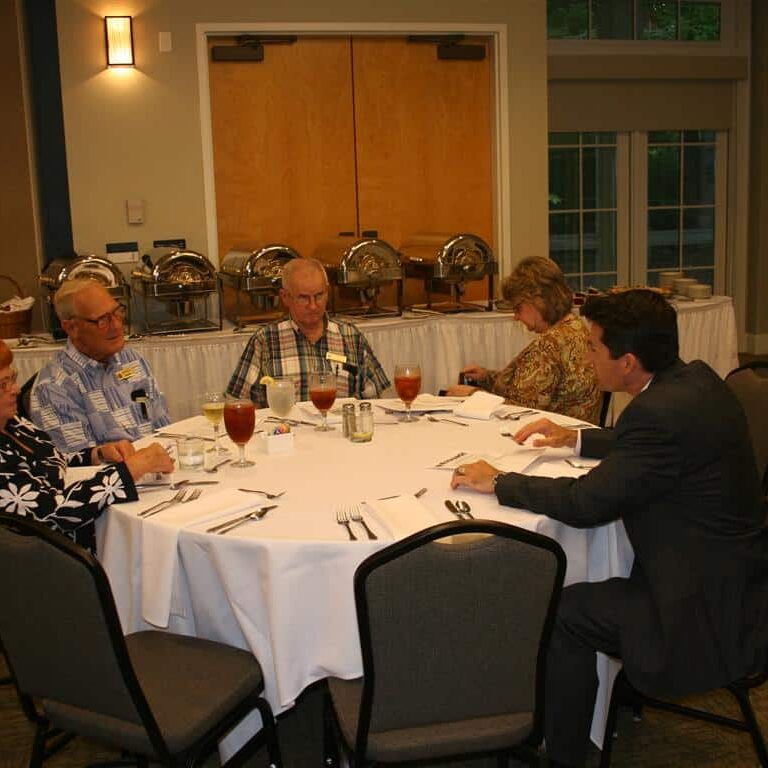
point(678, 469)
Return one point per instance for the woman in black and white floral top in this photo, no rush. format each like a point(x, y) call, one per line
point(32, 470)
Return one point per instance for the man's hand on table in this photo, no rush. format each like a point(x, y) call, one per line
point(478, 476)
point(554, 436)
point(110, 453)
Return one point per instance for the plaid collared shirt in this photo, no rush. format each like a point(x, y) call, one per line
point(281, 349)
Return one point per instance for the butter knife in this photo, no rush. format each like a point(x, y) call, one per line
point(174, 486)
point(234, 520)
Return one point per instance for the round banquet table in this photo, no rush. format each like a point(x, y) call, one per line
point(282, 586)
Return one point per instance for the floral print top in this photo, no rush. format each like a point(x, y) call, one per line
point(32, 483)
point(551, 373)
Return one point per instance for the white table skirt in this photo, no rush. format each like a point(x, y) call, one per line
point(186, 366)
point(282, 587)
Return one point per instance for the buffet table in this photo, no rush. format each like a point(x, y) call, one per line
point(282, 586)
point(188, 365)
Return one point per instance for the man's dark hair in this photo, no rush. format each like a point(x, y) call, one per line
point(639, 321)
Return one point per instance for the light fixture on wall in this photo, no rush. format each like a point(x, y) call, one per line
point(118, 31)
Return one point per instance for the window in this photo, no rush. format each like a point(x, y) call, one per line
point(583, 206)
point(686, 20)
point(624, 207)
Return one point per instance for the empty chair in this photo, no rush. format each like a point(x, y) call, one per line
point(453, 636)
point(751, 388)
point(154, 695)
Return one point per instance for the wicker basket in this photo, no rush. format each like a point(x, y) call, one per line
point(14, 324)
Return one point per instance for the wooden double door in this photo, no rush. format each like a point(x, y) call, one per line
point(351, 134)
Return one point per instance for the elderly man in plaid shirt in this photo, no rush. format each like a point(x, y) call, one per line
point(298, 345)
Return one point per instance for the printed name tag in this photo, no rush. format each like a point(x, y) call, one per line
point(335, 357)
point(129, 371)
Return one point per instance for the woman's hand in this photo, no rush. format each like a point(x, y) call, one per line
point(474, 372)
point(153, 458)
point(555, 436)
point(478, 476)
point(112, 452)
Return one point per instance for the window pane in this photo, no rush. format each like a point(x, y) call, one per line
point(699, 136)
point(600, 241)
point(652, 279)
point(612, 19)
point(598, 137)
point(698, 175)
point(663, 137)
point(564, 240)
point(663, 239)
point(657, 19)
point(564, 138)
point(698, 237)
point(563, 179)
point(706, 276)
point(663, 176)
point(599, 168)
point(699, 21)
point(601, 282)
point(567, 18)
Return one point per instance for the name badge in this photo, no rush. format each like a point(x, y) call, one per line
point(335, 357)
point(129, 372)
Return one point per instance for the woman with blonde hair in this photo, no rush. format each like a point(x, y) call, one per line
point(32, 470)
point(552, 372)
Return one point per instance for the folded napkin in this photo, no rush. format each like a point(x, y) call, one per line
point(159, 543)
point(424, 403)
point(17, 304)
point(309, 410)
point(479, 405)
point(404, 515)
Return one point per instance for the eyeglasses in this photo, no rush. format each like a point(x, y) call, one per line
point(102, 321)
point(9, 381)
point(305, 299)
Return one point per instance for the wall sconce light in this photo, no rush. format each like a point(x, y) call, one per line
point(119, 37)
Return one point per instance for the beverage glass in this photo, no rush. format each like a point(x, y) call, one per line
point(213, 410)
point(281, 396)
point(239, 420)
point(322, 393)
point(189, 451)
point(408, 385)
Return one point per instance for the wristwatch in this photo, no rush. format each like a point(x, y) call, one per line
point(495, 479)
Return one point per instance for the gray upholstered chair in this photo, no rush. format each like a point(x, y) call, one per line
point(453, 637)
point(751, 388)
point(155, 695)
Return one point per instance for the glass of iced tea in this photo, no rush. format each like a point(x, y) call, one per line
point(322, 393)
point(408, 385)
point(239, 420)
point(213, 410)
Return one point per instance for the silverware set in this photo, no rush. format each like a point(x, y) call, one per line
point(230, 525)
point(460, 508)
point(350, 513)
point(180, 498)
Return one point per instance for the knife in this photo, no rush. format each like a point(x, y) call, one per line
point(178, 435)
point(174, 486)
point(234, 520)
point(452, 508)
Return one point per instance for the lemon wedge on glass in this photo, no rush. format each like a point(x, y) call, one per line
point(266, 380)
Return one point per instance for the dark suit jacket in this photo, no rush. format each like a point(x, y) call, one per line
point(678, 470)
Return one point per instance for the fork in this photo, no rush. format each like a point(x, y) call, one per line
point(343, 519)
point(447, 421)
point(357, 517)
point(196, 494)
point(265, 493)
point(517, 415)
point(176, 499)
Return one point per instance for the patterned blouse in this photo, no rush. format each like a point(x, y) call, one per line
point(551, 373)
point(32, 483)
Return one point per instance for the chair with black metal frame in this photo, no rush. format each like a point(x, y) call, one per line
point(154, 695)
point(624, 694)
point(453, 634)
point(751, 389)
point(25, 395)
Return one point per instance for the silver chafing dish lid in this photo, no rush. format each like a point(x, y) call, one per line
point(457, 257)
point(177, 274)
point(89, 267)
point(256, 268)
point(359, 262)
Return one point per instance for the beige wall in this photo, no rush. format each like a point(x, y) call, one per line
point(137, 133)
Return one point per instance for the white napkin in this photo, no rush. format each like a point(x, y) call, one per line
point(17, 304)
point(404, 515)
point(479, 405)
point(309, 410)
point(159, 541)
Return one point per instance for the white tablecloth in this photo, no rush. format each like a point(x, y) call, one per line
point(282, 586)
point(186, 366)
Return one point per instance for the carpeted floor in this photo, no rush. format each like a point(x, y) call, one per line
point(659, 740)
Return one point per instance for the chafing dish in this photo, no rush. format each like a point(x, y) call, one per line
point(359, 271)
point(176, 293)
point(83, 267)
point(446, 263)
point(251, 277)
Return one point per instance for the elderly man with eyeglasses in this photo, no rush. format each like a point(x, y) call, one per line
point(300, 344)
point(95, 390)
